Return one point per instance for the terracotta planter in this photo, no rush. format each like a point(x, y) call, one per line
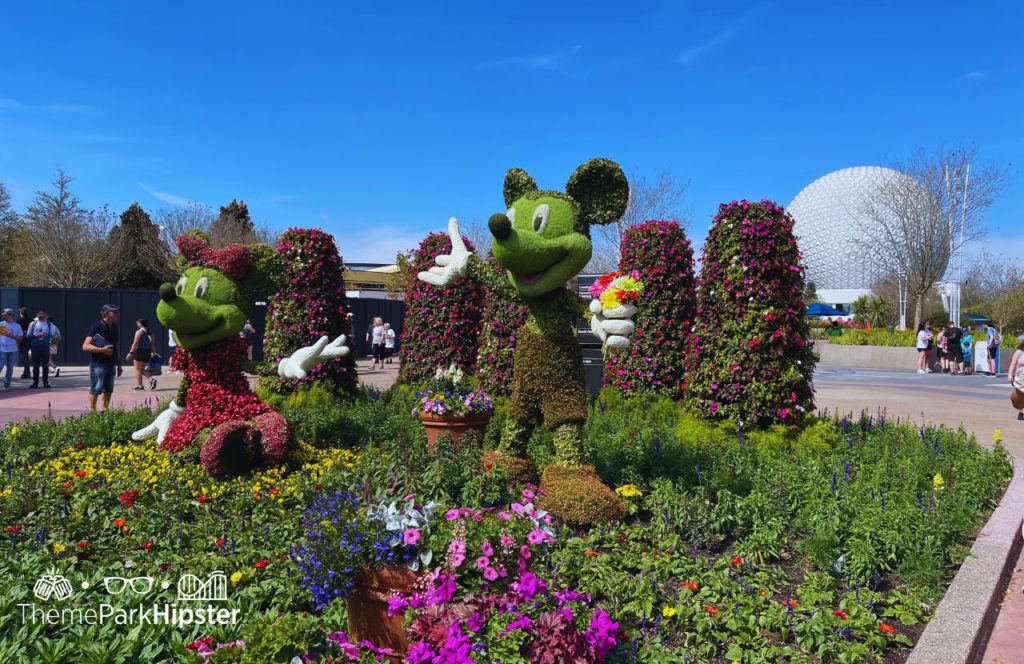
point(456, 426)
point(367, 608)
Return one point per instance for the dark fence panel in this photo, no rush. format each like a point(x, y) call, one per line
point(364, 310)
point(75, 310)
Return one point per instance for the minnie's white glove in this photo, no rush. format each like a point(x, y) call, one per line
point(612, 326)
point(449, 266)
point(304, 359)
point(161, 424)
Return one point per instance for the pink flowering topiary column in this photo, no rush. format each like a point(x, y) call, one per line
point(655, 362)
point(504, 315)
point(751, 355)
point(442, 324)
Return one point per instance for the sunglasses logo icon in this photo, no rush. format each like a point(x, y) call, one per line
point(140, 585)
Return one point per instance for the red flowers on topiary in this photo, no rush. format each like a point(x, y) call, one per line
point(751, 355)
point(655, 361)
point(442, 325)
point(231, 261)
point(503, 318)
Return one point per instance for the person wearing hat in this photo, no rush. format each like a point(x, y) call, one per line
point(105, 362)
point(11, 335)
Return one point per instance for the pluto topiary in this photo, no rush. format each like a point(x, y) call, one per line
point(751, 356)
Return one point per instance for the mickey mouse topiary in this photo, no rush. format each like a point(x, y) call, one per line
point(751, 357)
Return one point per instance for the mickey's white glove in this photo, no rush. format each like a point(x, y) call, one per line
point(161, 424)
point(449, 266)
point(304, 359)
point(612, 326)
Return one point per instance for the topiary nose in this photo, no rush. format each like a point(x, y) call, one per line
point(500, 226)
point(167, 293)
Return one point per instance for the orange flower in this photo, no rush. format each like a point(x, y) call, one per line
point(256, 496)
point(274, 492)
point(204, 499)
point(887, 629)
point(119, 522)
point(692, 585)
point(791, 603)
point(66, 485)
point(147, 545)
point(840, 614)
point(712, 611)
point(83, 544)
point(260, 565)
point(764, 592)
point(79, 473)
point(591, 553)
point(736, 560)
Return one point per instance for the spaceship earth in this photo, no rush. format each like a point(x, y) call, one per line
point(833, 232)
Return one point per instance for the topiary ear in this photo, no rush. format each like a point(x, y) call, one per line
point(266, 266)
point(518, 183)
point(601, 189)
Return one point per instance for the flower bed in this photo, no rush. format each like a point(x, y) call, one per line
point(828, 543)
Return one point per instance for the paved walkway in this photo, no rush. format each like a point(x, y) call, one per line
point(980, 403)
point(1006, 645)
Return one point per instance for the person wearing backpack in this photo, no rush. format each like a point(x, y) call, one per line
point(40, 333)
point(140, 353)
point(54, 342)
point(1015, 376)
point(994, 339)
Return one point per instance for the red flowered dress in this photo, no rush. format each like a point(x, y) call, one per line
point(216, 391)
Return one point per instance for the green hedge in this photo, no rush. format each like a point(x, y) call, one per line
point(875, 337)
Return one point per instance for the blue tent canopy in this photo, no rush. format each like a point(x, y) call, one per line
point(978, 319)
point(819, 309)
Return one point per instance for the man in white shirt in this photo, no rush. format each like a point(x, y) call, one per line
point(10, 336)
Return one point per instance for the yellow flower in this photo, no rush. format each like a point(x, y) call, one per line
point(59, 548)
point(668, 611)
point(938, 482)
point(14, 431)
point(997, 435)
point(629, 491)
point(236, 578)
point(610, 298)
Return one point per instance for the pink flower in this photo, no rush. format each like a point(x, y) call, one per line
point(482, 562)
point(411, 536)
point(490, 573)
point(487, 549)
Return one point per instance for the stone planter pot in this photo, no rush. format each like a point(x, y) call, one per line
point(456, 426)
point(367, 608)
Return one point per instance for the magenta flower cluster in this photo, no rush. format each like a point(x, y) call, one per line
point(504, 316)
point(751, 356)
point(655, 362)
point(311, 303)
point(442, 325)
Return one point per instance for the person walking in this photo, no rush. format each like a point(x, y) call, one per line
point(942, 350)
point(105, 362)
point(141, 353)
point(1015, 376)
point(993, 338)
point(23, 322)
point(249, 336)
point(955, 337)
point(924, 338)
point(377, 342)
point(11, 336)
point(40, 333)
point(54, 343)
point(389, 342)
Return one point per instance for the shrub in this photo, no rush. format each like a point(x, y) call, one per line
point(504, 315)
point(751, 357)
point(310, 304)
point(655, 361)
point(442, 325)
point(876, 337)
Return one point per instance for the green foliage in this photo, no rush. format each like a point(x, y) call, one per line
point(139, 257)
point(602, 191)
point(874, 311)
point(752, 358)
point(876, 337)
point(518, 183)
point(503, 318)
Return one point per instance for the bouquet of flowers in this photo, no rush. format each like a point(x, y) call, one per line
point(449, 393)
point(613, 306)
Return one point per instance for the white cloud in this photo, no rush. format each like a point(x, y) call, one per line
point(973, 74)
point(8, 102)
point(549, 61)
point(694, 53)
point(165, 197)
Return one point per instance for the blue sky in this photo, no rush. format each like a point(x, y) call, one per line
point(378, 123)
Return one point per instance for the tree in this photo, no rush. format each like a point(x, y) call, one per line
point(655, 362)
point(233, 226)
point(913, 224)
point(176, 221)
point(751, 357)
point(139, 255)
point(11, 238)
point(873, 310)
point(660, 198)
point(811, 292)
point(66, 243)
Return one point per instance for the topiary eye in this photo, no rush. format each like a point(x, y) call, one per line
point(202, 286)
point(511, 214)
point(540, 217)
point(180, 288)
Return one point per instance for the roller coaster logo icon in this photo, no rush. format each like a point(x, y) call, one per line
point(193, 589)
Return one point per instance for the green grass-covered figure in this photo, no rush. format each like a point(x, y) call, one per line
point(543, 241)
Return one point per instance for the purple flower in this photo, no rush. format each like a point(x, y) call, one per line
point(490, 574)
point(487, 549)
